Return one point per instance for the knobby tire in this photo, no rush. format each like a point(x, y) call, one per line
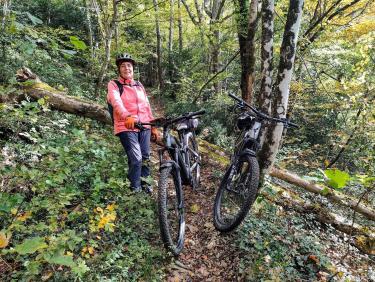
point(171, 210)
point(230, 192)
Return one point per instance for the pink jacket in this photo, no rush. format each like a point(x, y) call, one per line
point(133, 102)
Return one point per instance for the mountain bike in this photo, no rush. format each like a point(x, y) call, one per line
point(179, 165)
point(239, 186)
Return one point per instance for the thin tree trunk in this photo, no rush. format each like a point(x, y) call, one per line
point(247, 25)
point(281, 88)
point(89, 27)
point(170, 40)
point(264, 98)
point(108, 41)
point(180, 38)
point(158, 44)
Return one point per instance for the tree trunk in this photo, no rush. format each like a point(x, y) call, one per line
point(180, 38)
point(247, 25)
point(109, 30)
point(281, 88)
point(264, 98)
point(158, 44)
point(89, 28)
point(170, 40)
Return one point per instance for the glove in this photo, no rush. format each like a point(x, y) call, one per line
point(129, 122)
point(155, 135)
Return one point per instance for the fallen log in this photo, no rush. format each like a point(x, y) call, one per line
point(35, 89)
point(316, 189)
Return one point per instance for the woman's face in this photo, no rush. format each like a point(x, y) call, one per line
point(126, 70)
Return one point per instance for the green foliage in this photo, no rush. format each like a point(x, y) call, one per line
point(60, 172)
point(276, 247)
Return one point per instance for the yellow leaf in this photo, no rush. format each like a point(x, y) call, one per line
point(326, 163)
point(99, 209)
point(24, 216)
point(111, 207)
point(13, 211)
point(4, 240)
point(91, 250)
point(195, 208)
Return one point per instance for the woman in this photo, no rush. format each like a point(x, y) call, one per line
point(130, 104)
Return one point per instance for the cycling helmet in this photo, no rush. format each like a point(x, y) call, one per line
point(124, 57)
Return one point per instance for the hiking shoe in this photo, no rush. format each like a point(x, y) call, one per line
point(147, 189)
point(136, 189)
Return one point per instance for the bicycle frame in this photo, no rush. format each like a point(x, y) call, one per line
point(176, 151)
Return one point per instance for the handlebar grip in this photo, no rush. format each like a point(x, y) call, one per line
point(235, 97)
point(291, 124)
point(200, 112)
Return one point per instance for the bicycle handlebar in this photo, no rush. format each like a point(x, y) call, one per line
point(169, 121)
point(263, 115)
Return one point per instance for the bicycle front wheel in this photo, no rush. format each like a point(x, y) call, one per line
point(193, 159)
point(171, 210)
point(236, 194)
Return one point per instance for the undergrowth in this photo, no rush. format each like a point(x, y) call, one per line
point(66, 209)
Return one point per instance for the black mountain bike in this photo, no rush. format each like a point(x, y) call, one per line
point(179, 165)
point(239, 186)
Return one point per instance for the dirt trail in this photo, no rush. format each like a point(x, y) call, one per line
point(207, 255)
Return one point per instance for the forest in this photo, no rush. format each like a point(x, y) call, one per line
point(67, 212)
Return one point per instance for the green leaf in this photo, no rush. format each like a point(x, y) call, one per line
point(336, 178)
point(61, 260)
point(34, 19)
point(78, 44)
point(30, 246)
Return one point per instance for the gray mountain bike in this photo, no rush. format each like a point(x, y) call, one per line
point(239, 185)
point(179, 165)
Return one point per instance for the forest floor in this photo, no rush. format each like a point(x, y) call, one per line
point(209, 255)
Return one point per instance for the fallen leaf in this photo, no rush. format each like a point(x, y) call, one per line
point(195, 208)
point(4, 240)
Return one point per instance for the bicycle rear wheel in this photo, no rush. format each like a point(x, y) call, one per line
point(193, 159)
point(171, 210)
point(236, 194)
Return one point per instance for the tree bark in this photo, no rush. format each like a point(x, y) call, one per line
point(109, 30)
point(180, 38)
point(158, 45)
point(281, 88)
point(170, 40)
point(264, 97)
point(247, 22)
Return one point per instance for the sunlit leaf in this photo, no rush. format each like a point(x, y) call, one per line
point(4, 240)
point(78, 44)
point(337, 178)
